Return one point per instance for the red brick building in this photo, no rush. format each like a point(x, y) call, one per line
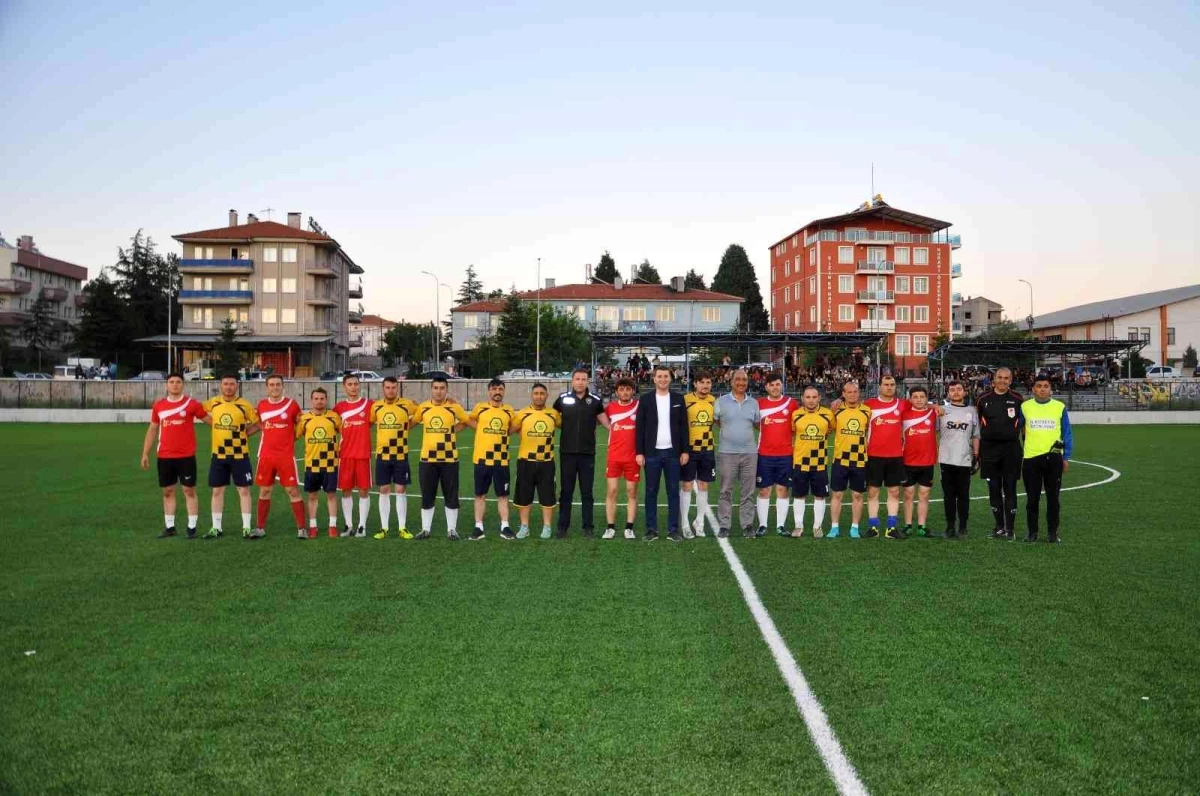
point(878, 268)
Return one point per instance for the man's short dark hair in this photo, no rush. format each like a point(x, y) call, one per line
point(955, 383)
point(172, 375)
point(438, 380)
point(702, 375)
point(349, 376)
point(626, 383)
point(318, 390)
point(774, 376)
point(496, 382)
point(584, 371)
point(538, 385)
point(918, 389)
point(661, 366)
point(274, 376)
point(390, 380)
point(1042, 377)
point(233, 376)
point(808, 387)
point(885, 377)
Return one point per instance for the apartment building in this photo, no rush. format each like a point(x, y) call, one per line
point(27, 275)
point(285, 288)
point(976, 315)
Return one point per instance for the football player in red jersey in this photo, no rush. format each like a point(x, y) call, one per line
point(774, 453)
point(920, 425)
point(172, 420)
point(354, 472)
point(277, 454)
point(885, 456)
point(622, 458)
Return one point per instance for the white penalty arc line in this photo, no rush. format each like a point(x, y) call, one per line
point(845, 778)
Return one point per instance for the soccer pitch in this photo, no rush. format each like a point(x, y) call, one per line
point(355, 665)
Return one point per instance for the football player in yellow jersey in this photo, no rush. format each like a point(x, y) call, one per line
point(811, 426)
point(441, 420)
point(851, 421)
point(320, 428)
point(701, 468)
point(535, 426)
point(392, 416)
point(492, 421)
point(234, 422)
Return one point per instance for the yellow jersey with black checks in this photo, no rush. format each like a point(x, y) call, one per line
point(491, 432)
point(439, 442)
point(536, 429)
point(810, 438)
point(392, 420)
point(230, 419)
point(850, 426)
point(700, 416)
point(320, 434)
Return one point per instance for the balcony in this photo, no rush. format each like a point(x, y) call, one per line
point(355, 291)
point(216, 297)
point(955, 241)
point(320, 269)
point(356, 342)
point(322, 298)
point(876, 297)
point(875, 267)
point(637, 326)
point(876, 325)
point(956, 300)
point(873, 236)
point(18, 287)
point(955, 271)
point(54, 293)
point(216, 266)
point(354, 316)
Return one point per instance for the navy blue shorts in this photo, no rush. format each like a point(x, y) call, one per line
point(843, 476)
point(321, 482)
point(392, 471)
point(222, 471)
point(701, 466)
point(489, 475)
point(804, 481)
point(773, 471)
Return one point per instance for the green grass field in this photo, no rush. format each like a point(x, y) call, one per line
point(589, 666)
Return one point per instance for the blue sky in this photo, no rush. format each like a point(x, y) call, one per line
point(1058, 138)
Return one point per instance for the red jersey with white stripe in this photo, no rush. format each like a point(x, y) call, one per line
point(176, 432)
point(920, 437)
point(775, 429)
point(356, 428)
point(886, 439)
point(278, 422)
point(622, 446)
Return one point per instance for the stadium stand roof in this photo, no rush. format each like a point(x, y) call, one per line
point(1114, 308)
point(613, 339)
point(1042, 348)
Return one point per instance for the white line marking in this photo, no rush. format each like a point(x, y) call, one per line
point(839, 766)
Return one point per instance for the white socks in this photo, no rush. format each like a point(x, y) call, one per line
point(170, 518)
point(364, 510)
point(217, 519)
point(348, 511)
point(451, 520)
point(402, 510)
point(426, 519)
point(385, 510)
point(193, 519)
point(685, 506)
point(798, 512)
point(764, 507)
point(818, 513)
point(246, 520)
point(782, 504)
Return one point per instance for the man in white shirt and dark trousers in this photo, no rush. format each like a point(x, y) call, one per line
point(662, 448)
point(958, 453)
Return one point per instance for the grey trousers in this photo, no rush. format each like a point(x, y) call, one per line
point(737, 468)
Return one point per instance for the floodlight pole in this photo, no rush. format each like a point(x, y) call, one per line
point(537, 362)
point(1035, 356)
point(437, 313)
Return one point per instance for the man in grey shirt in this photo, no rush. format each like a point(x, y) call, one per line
point(958, 454)
point(737, 453)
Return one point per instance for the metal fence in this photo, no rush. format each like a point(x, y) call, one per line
point(82, 394)
point(1123, 395)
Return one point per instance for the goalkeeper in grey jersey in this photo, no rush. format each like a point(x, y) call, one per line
point(958, 455)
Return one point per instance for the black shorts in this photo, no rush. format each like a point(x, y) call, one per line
point(918, 476)
point(223, 471)
point(320, 482)
point(181, 470)
point(535, 477)
point(843, 476)
point(1000, 460)
point(432, 475)
point(804, 481)
point(701, 466)
point(885, 471)
point(392, 471)
point(489, 475)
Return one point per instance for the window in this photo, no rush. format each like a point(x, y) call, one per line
point(270, 254)
point(902, 348)
point(287, 315)
point(665, 312)
point(845, 312)
point(268, 315)
point(876, 254)
point(774, 275)
point(470, 321)
point(1133, 334)
point(902, 313)
point(1170, 335)
point(208, 252)
point(901, 255)
point(235, 253)
point(967, 315)
point(921, 313)
point(795, 241)
point(712, 314)
point(787, 295)
point(902, 284)
point(773, 297)
point(198, 283)
point(197, 315)
point(920, 284)
point(796, 315)
point(812, 286)
point(845, 283)
point(208, 283)
point(233, 316)
point(269, 284)
point(606, 313)
point(787, 267)
point(920, 344)
point(845, 254)
point(812, 314)
point(289, 254)
point(289, 284)
point(787, 320)
point(1146, 334)
point(199, 254)
point(244, 317)
point(921, 257)
point(812, 256)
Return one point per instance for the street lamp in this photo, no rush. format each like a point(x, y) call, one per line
point(1030, 302)
point(437, 313)
point(537, 346)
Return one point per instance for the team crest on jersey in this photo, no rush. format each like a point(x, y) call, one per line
point(435, 423)
point(389, 418)
point(496, 425)
point(540, 427)
point(1012, 411)
point(226, 421)
point(319, 433)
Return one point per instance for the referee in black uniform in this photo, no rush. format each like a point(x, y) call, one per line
point(580, 409)
point(1000, 454)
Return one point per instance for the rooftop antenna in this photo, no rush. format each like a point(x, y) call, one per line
point(872, 182)
point(268, 211)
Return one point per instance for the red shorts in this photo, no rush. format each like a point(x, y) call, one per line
point(628, 470)
point(354, 474)
point(270, 466)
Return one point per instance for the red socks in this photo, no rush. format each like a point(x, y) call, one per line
point(264, 509)
point(298, 512)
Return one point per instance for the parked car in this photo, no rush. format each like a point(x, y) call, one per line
point(254, 375)
point(34, 376)
point(1162, 372)
point(149, 375)
point(330, 375)
point(367, 375)
point(1196, 373)
point(519, 374)
point(430, 374)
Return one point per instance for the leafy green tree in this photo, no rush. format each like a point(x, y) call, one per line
point(407, 342)
point(606, 269)
point(146, 280)
point(228, 358)
point(103, 329)
point(647, 274)
point(694, 281)
point(1189, 357)
point(471, 289)
point(40, 328)
point(5, 351)
point(736, 277)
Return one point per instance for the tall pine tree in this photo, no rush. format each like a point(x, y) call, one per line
point(40, 329)
point(471, 289)
point(647, 274)
point(736, 277)
point(694, 281)
point(606, 270)
point(103, 329)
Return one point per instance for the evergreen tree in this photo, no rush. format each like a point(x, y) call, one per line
point(515, 334)
point(736, 277)
point(145, 280)
point(5, 351)
point(40, 329)
point(103, 329)
point(1189, 357)
point(606, 270)
point(647, 274)
point(228, 359)
point(496, 295)
point(694, 281)
point(471, 289)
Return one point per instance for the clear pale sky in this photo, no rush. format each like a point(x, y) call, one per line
point(1059, 139)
